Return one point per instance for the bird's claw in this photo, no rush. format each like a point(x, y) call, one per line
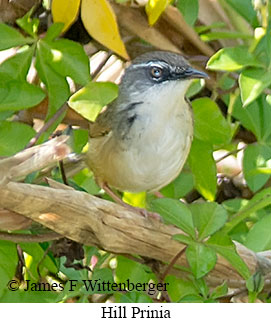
point(147, 214)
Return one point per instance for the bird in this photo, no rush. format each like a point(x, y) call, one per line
point(142, 140)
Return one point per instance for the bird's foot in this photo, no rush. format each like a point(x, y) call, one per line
point(138, 210)
point(144, 212)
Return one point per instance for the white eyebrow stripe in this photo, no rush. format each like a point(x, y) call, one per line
point(150, 63)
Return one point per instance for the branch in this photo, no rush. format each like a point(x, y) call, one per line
point(20, 237)
point(11, 10)
point(94, 221)
point(33, 159)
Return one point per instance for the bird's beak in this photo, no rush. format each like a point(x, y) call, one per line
point(195, 74)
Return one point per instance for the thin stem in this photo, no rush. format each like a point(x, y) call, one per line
point(100, 66)
point(229, 154)
point(47, 125)
point(243, 214)
point(63, 174)
point(230, 90)
point(172, 263)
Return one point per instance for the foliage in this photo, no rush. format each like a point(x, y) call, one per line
point(238, 100)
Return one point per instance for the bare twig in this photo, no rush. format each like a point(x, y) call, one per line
point(177, 21)
point(100, 66)
point(20, 237)
point(21, 264)
point(63, 174)
point(230, 90)
point(233, 152)
point(33, 159)
point(47, 125)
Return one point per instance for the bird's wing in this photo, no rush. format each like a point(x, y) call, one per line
point(114, 112)
point(101, 126)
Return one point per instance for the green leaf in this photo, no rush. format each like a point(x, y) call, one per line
point(10, 37)
point(192, 298)
point(223, 245)
point(220, 291)
point(14, 136)
point(18, 95)
point(232, 59)
point(8, 264)
point(256, 204)
point(256, 117)
point(54, 31)
point(234, 205)
point(86, 181)
point(45, 136)
point(101, 275)
point(255, 283)
point(22, 296)
point(201, 154)
point(90, 100)
point(203, 28)
point(195, 87)
point(261, 45)
point(252, 82)
point(256, 156)
point(183, 239)
point(201, 259)
point(67, 293)
point(224, 35)
point(67, 58)
point(45, 264)
point(259, 237)
point(5, 115)
point(208, 218)
point(80, 139)
point(245, 9)
point(189, 10)
point(132, 297)
point(57, 86)
point(239, 232)
point(28, 24)
point(210, 125)
point(134, 271)
point(259, 200)
point(202, 287)
point(174, 212)
point(17, 66)
point(178, 288)
point(72, 273)
point(182, 185)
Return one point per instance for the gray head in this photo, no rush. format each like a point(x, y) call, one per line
point(155, 69)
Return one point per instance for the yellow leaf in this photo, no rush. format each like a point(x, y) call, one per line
point(100, 21)
point(65, 11)
point(154, 9)
point(135, 199)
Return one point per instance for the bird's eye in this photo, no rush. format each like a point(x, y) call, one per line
point(156, 72)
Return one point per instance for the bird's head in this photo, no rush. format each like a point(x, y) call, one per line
point(156, 71)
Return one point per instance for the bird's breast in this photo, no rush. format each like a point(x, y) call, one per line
point(148, 151)
point(157, 146)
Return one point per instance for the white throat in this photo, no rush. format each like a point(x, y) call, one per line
point(163, 102)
